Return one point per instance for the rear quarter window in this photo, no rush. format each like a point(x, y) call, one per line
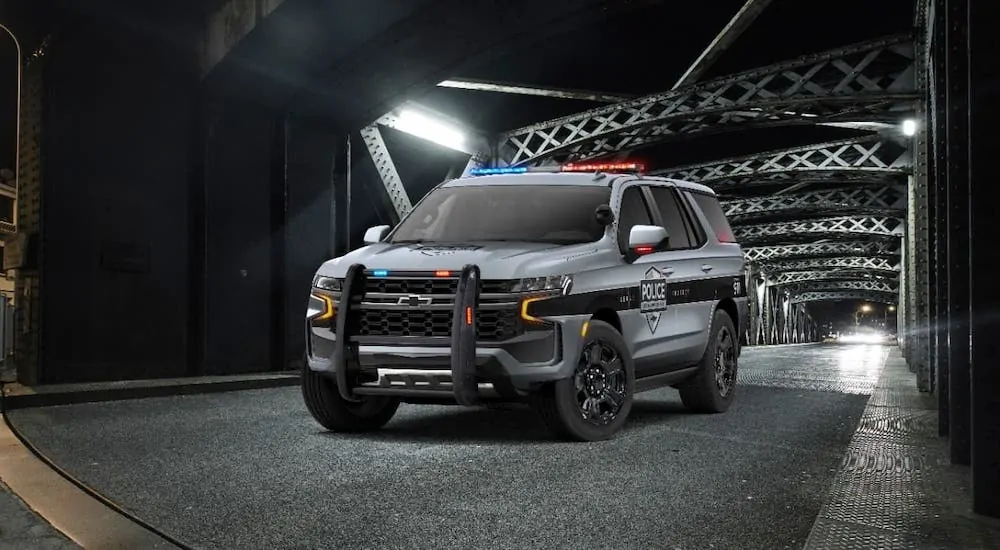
point(716, 216)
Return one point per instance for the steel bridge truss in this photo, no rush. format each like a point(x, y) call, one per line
point(844, 225)
point(831, 275)
point(870, 81)
point(878, 265)
point(874, 200)
point(866, 158)
point(865, 295)
point(861, 248)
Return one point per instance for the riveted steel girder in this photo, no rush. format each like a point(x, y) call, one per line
point(867, 157)
point(819, 250)
point(843, 262)
point(785, 278)
point(866, 295)
point(387, 172)
point(871, 81)
point(884, 197)
point(863, 225)
point(881, 286)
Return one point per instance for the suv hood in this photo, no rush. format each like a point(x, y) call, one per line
point(496, 260)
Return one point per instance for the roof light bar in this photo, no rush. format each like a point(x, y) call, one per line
point(592, 167)
point(605, 167)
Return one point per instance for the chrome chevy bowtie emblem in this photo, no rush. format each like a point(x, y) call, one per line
point(414, 300)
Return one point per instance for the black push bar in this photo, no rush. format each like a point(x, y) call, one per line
point(346, 347)
point(464, 336)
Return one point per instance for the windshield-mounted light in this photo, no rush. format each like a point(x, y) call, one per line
point(326, 283)
point(561, 283)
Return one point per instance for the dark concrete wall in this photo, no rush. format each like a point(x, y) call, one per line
point(117, 112)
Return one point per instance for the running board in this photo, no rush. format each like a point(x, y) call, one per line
point(662, 380)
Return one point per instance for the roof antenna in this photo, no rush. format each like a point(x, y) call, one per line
point(598, 176)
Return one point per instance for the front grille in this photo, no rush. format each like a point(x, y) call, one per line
point(492, 325)
point(430, 286)
point(382, 316)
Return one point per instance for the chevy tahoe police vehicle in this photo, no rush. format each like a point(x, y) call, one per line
point(572, 291)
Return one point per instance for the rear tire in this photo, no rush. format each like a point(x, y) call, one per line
point(595, 402)
point(712, 390)
point(335, 414)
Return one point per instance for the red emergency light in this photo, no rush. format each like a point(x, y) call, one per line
point(605, 167)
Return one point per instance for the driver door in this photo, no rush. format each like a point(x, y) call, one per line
point(649, 330)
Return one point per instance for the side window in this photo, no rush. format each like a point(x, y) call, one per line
point(673, 218)
point(633, 212)
point(710, 206)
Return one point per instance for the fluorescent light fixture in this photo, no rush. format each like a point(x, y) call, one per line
point(425, 127)
point(909, 127)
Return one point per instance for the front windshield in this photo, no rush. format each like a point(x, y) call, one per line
point(558, 214)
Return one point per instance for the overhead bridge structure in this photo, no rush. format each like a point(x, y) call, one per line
point(826, 203)
point(881, 216)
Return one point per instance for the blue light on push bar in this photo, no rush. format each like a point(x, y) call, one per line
point(380, 273)
point(494, 171)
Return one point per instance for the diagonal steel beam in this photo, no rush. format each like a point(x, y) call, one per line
point(387, 172)
point(870, 81)
point(729, 34)
point(527, 89)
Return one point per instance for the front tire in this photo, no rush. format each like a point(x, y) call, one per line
point(712, 390)
point(595, 402)
point(338, 415)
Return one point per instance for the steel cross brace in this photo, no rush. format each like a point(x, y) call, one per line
point(868, 81)
point(785, 278)
point(866, 295)
point(872, 156)
point(892, 197)
point(843, 262)
point(816, 250)
point(880, 286)
point(866, 225)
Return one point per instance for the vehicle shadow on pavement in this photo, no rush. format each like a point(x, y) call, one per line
point(495, 424)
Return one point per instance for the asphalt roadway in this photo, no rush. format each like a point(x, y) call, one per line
point(251, 469)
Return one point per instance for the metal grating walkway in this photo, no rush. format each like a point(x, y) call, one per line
point(896, 488)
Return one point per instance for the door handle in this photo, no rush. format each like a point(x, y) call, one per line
point(667, 271)
point(706, 268)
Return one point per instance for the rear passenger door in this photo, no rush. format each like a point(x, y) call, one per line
point(682, 266)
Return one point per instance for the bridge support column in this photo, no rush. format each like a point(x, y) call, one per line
point(938, 209)
point(957, 138)
point(984, 111)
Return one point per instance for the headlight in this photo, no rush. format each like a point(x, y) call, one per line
point(562, 283)
point(326, 283)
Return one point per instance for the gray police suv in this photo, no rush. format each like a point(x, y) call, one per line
point(568, 291)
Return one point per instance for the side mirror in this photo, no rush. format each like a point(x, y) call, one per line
point(376, 234)
point(646, 239)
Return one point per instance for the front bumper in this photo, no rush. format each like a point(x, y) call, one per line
point(458, 367)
